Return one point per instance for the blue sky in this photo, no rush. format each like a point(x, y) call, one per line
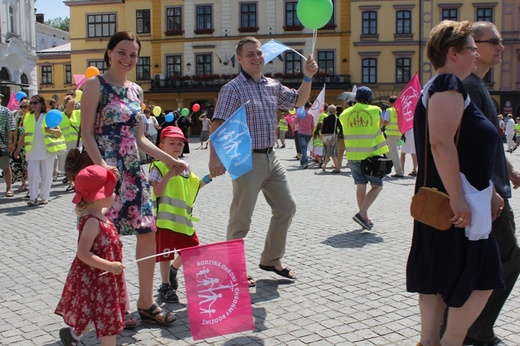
point(52, 8)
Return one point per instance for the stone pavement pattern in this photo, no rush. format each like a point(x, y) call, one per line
point(350, 287)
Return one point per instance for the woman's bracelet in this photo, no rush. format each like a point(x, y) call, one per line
point(307, 79)
point(206, 179)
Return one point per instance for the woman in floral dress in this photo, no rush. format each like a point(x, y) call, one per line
point(113, 140)
point(19, 165)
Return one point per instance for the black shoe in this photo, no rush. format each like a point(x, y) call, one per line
point(283, 146)
point(168, 294)
point(173, 278)
point(66, 337)
point(472, 342)
point(362, 222)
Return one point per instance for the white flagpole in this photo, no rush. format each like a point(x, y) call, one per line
point(145, 258)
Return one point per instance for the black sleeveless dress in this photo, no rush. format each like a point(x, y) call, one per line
point(446, 262)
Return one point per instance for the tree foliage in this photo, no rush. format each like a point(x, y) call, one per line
point(59, 23)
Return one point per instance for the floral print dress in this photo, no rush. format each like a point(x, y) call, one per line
point(132, 212)
point(89, 299)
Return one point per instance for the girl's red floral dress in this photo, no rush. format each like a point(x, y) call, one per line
point(90, 300)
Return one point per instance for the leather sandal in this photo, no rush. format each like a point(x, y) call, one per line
point(156, 314)
point(285, 272)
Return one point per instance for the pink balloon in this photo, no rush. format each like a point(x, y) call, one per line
point(195, 107)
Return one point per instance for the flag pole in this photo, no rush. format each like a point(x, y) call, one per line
point(145, 258)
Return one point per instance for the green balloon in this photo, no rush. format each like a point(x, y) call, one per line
point(314, 14)
point(185, 112)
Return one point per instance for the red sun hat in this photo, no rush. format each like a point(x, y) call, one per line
point(173, 132)
point(93, 183)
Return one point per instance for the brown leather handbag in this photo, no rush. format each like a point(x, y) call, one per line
point(429, 205)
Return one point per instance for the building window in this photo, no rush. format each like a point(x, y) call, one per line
point(68, 74)
point(204, 17)
point(403, 70)
point(203, 64)
point(142, 21)
point(293, 63)
point(449, 14)
point(101, 25)
point(142, 68)
point(487, 77)
point(11, 19)
point(100, 64)
point(174, 19)
point(291, 18)
point(46, 74)
point(248, 15)
point(484, 15)
point(326, 62)
point(369, 70)
point(173, 66)
point(369, 20)
point(403, 22)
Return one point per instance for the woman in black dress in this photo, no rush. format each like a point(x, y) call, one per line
point(454, 268)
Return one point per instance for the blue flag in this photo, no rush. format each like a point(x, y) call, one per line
point(232, 143)
point(273, 48)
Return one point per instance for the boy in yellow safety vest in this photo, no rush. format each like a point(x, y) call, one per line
point(174, 197)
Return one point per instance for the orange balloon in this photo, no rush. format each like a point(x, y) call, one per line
point(91, 72)
point(143, 107)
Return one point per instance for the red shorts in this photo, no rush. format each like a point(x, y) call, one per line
point(166, 240)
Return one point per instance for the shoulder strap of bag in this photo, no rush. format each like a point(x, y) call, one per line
point(426, 138)
point(101, 104)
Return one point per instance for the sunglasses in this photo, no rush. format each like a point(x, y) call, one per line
point(493, 41)
point(23, 106)
point(34, 102)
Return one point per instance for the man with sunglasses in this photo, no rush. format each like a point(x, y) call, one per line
point(7, 132)
point(490, 49)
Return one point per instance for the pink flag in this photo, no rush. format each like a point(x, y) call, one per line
point(79, 79)
point(405, 104)
point(13, 104)
point(216, 289)
point(290, 121)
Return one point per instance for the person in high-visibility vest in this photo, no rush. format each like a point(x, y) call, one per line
point(173, 196)
point(283, 126)
point(41, 145)
point(70, 128)
point(393, 135)
point(363, 138)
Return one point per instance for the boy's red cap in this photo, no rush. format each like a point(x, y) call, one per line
point(173, 132)
point(93, 183)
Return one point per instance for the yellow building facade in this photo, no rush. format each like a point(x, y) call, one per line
point(188, 46)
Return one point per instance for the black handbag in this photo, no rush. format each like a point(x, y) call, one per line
point(377, 166)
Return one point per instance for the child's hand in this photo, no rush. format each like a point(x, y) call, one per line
point(116, 267)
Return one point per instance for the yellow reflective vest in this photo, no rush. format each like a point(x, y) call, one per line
point(392, 129)
point(52, 144)
point(173, 210)
point(70, 126)
point(282, 125)
point(362, 134)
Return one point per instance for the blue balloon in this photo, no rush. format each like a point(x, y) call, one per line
point(300, 112)
point(169, 117)
point(53, 118)
point(20, 95)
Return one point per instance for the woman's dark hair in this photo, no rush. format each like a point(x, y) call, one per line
point(118, 37)
point(42, 101)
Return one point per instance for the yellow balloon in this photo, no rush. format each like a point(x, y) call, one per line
point(91, 72)
point(157, 111)
point(292, 111)
point(79, 94)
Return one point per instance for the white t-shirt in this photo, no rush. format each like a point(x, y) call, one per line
point(151, 121)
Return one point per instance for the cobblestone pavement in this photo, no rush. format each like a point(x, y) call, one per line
point(350, 287)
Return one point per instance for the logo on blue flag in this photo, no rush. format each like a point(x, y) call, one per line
point(232, 143)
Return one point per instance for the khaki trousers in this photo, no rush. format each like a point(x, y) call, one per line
point(269, 176)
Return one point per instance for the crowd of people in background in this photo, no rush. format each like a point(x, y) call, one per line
point(34, 155)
